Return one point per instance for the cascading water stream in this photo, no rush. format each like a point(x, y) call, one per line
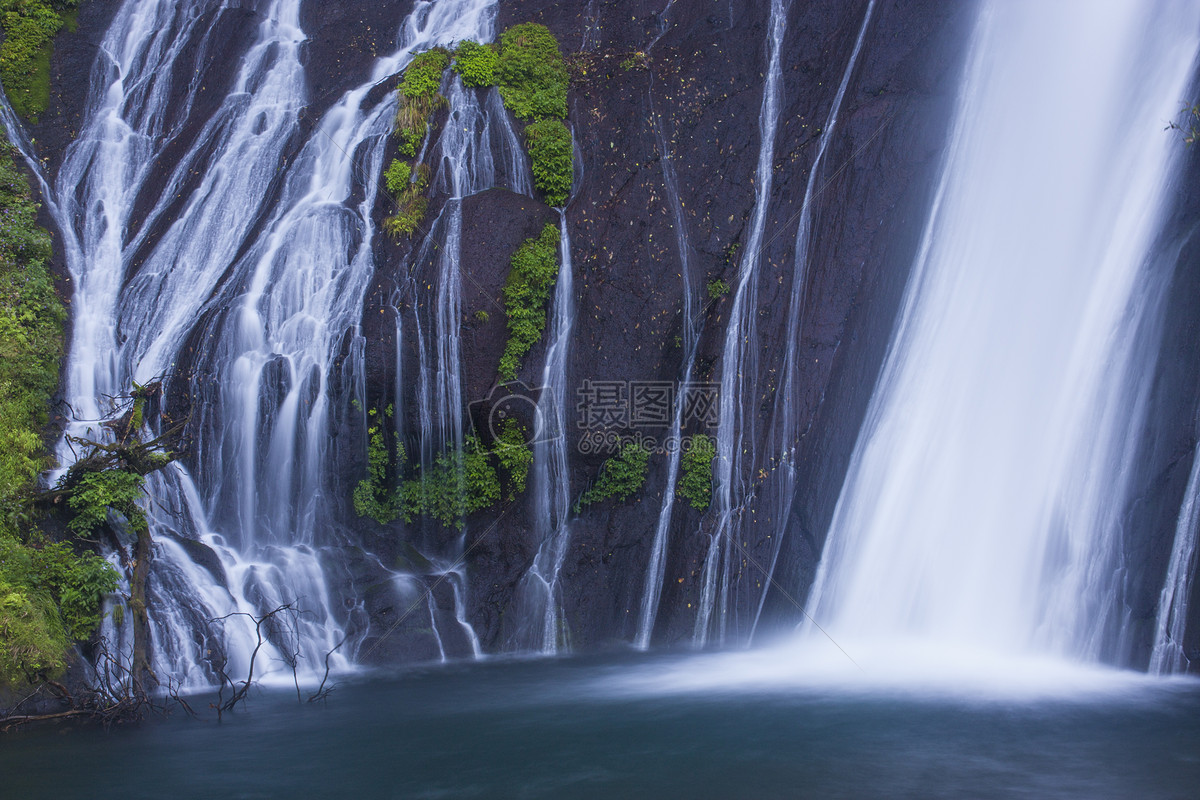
point(982, 508)
point(656, 566)
point(738, 356)
point(1170, 623)
point(466, 164)
point(539, 588)
point(786, 412)
point(278, 287)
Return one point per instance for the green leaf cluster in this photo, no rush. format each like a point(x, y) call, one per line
point(423, 76)
point(530, 72)
point(515, 456)
point(419, 98)
point(371, 496)
point(411, 203)
point(717, 289)
point(49, 593)
point(621, 476)
point(32, 640)
point(551, 159)
point(31, 331)
point(533, 80)
point(397, 176)
point(459, 483)
point(526, 292)
point(476, 63)
point(49, 596)
point(695, 485)
point(29, 30)
point(97, 492)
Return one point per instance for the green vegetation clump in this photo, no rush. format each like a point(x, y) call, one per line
point(717, 289)
point(530, 72)
point(551, 159)
point(49, 596)
point(460, 482)
point(97, 492)
point(31, 331)
point(621, 476)
point(49, 593)
point(423, 76)
point(371, 496)
point(29, 30)
point(32, 640)
point(419, 98)
point(695, 485)
point(397, 176)
point(526, 292)
point(411, 204)
point(515, 456)
point(475, 63)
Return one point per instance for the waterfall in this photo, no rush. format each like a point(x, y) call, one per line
point(1170, 623)
point(983, 503)
point(735, 434)
point(656, 566)
point(466, 163)
point(539, 589)
point(786, 413)
point(263, 262)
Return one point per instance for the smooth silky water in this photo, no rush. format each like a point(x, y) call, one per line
point(964, 595)
point(774, 723)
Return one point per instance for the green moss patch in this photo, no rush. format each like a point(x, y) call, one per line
point(29, 30)
point(526, 293)
point(622, 476)
point(695, 485)
point(475, 64)
point(530, 72)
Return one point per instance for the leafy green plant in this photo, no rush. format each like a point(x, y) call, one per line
point(49, 593)
point(372, 497)
point(476, 63)
point(32, 640)
point(551, 159)
point(459, 483)
point(31, 331)
point(621, 476)
point(482, 316)
point(530, 72)
point(717, 289)
point(419, 98)
point(407, 218)
point(97, 492)
point(526, 292)
point(49, 596)
point(515, 456)
point(78, 581)
point(397, 176)
point(29, 30)
point(411, 205)
point(423, 75)
point(695, 485)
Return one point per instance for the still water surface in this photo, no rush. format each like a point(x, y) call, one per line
point(709, 726)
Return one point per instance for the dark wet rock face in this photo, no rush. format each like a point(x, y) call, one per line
point(687, 87)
